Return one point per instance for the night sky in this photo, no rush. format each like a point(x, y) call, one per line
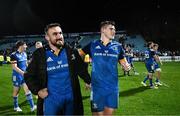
point(22, 17)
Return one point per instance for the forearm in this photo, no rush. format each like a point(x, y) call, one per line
point(126, 66)
point(18, 70)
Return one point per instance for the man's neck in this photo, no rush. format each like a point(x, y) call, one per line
point(20, 51)
point(105, 40)
point(55, 49)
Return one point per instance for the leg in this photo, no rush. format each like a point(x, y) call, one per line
point(108, 111)
point(150, 79)
point(144, 81)
point(111, 103)
point(98, 113)
point(29, 97)
point(68, 104)
point(15, 96)
point(16, 89)
point(158, 74)
point(50, 106)
point(97, 104)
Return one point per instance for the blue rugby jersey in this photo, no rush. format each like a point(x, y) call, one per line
point(21, 59)
point(149, 56)
point(58, 73)
point(104, 64)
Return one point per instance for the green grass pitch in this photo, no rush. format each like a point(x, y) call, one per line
point(134, 99)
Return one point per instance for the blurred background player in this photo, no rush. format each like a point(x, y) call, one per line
point(19, 64)
point(150, 56)
point(38, 44)
point(156, 65)
point(105, 54)
point(129, 57)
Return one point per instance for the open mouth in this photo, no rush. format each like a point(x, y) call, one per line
point(59, 41)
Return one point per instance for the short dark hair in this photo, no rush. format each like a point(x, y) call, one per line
point(50, 26)
point(149, 43)
point(105, 23)
point(155, 45)
point(20, 43)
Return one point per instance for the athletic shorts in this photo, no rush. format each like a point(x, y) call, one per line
point(18, 80)
point(101, 99)
point(156, 66)
point(150, 68)
point(54, 104)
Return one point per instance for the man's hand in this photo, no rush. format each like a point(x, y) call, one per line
point(43, 93)
point(161, 63)
point(126, 66)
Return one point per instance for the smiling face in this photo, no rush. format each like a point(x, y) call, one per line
point(22, 48)
point(55, 37)
point(109, 31)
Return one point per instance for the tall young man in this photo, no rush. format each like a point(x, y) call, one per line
point(105, 54)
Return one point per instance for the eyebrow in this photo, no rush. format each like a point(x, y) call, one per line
point(112, 28)
point(55, 33)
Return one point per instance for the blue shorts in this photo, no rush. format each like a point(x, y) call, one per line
point(156, 66)
point(150, 68)
point(100, 100)
point(54, 104)
point(18, 80)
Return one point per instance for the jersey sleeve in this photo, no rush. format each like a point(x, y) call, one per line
point(121, 53)
point(13, 57)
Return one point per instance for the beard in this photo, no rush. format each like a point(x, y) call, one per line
point(58, 43)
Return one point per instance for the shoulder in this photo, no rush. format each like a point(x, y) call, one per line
point(94, 43)
point(116, 44)
point(13, 54)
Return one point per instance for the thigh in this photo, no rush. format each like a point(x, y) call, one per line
point(25, 87)
point(111, 100)
point(97, 102)
point(16, 80)
point(50, 107)
point(150, 68)
point(68, 109)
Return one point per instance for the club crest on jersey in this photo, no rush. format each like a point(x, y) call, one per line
point(59, 62)
point(115, 48)
point(98, 47)
point(106, 51)
point(49, 59)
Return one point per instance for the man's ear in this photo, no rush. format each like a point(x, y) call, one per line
point(102, 30)
point(47, 37)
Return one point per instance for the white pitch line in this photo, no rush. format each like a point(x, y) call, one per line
point(166, 85)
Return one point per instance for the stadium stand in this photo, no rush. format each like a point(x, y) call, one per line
point(136, 41)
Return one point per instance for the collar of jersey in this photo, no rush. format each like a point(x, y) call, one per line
point(49, 49)
point(101, 42)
